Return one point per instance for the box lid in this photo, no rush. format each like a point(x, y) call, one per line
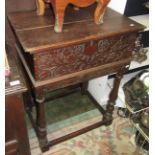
point(36, 33)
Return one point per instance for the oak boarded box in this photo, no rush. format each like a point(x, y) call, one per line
point(81, 46)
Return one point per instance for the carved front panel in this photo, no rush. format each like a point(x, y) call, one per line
point(57, 62)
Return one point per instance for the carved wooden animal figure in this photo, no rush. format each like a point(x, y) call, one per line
point(60, 5)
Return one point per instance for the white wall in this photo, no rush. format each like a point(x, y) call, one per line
point(118, 5)
point(98, 89)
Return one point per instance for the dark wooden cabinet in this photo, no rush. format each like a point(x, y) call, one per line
point(16, 137)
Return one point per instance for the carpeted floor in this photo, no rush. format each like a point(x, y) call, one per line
point(116, 139)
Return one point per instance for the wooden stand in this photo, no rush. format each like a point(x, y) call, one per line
point(57, 60)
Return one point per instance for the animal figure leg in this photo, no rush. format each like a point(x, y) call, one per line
point(100, 10)
point(40, 7)
point(59, 11)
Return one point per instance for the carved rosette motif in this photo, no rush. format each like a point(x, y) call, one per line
point(70, 59)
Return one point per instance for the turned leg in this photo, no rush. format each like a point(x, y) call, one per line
point(59, 11)
point(41, 121)
point(113, 95)
point(40, 7)
point(84, 87)
point(100, 10)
